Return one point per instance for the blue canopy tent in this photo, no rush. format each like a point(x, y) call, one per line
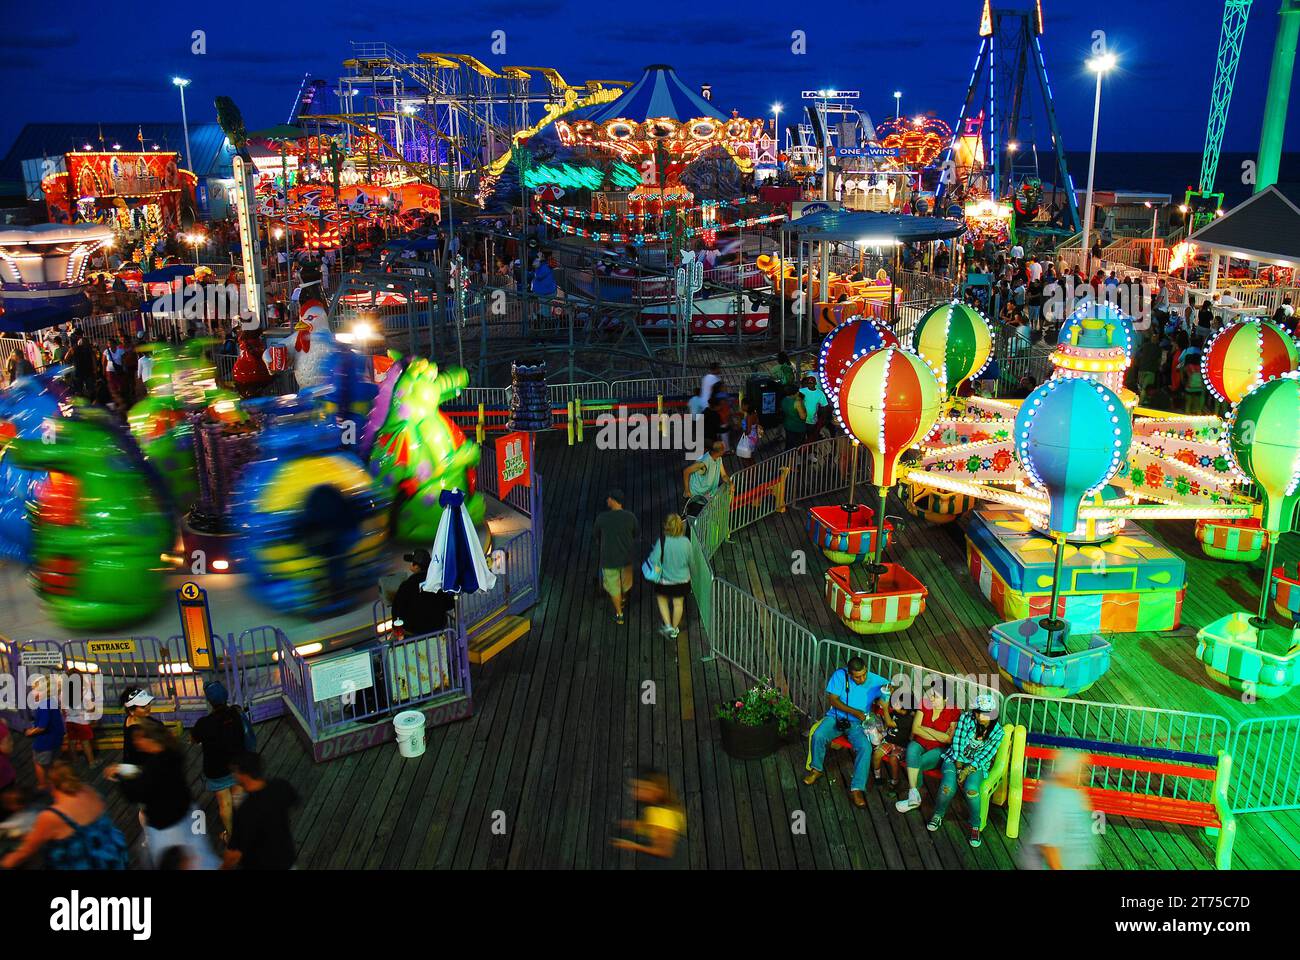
point(659, 93)
point(42, 318)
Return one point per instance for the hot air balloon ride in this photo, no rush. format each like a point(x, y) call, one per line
point(887, 401)
point(846, 533)
point(1068, 463)
point(1247, 653)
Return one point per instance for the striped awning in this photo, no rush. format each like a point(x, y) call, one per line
point(657, 94)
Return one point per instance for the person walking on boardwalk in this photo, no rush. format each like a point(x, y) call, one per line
point(616, 534)
point(262, 838)
point(670, 561)
point(662, 823)
point(1061, 829)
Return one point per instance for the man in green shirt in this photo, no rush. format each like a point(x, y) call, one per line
point(616, 535)
point(792, 418)
point(783, 372)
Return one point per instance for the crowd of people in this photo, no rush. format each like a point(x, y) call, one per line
point(60, 819)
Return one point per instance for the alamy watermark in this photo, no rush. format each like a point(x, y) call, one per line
point(1132, 297)
point(626, 430)
point(27, 690)
point(208, 301)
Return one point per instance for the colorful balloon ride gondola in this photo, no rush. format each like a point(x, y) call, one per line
point(1040, 655)
point(887, 400)
point(1249, 654)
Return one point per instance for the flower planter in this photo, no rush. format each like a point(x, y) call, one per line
point(744, 742)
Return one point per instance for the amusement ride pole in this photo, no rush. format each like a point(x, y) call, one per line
point(1050, 623)
point(1260, 622)
point(878, 553)
point(182, 83)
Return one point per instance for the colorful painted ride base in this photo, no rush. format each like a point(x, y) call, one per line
point(843, 536)
point(1241, 540)
point(1019, 649)
point(1131, 583)
point(1235, 655)
point(934, 506)
point(1284, 589)
point(899, 598)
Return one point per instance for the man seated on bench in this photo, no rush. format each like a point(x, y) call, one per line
point(975, 741)
point(851, 691)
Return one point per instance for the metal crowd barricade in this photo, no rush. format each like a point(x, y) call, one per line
point(649, 388)
point(11, 658)
point(1266, 765)
point(295, 682)
point(1142, 729)
point(254, 668)
point(764, 644)
point(959, 691)
point(405, 673)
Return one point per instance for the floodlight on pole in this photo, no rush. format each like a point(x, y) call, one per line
point(181, 83)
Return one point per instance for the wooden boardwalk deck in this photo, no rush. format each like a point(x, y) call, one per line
point(536, 777)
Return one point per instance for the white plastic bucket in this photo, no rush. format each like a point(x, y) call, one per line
point(409, 727)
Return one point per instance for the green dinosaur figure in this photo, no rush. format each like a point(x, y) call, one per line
point(419, 452)
point(99, 526)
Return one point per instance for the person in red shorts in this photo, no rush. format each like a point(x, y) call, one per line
point(931, 733)
point(81, 715)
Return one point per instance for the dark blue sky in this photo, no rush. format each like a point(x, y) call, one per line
point(80, 61)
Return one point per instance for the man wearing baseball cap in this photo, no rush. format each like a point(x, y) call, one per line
point(135, 703)
point(421, 612)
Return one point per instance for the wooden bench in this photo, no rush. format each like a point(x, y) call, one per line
point(992, 789)
point(1139, 766)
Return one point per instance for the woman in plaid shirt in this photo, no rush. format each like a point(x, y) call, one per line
point(966, 762)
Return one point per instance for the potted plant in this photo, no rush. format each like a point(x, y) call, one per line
point(754, 723)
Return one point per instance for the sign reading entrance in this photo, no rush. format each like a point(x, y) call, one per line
point(196, 624)
point(119, 648)
point(514, 453)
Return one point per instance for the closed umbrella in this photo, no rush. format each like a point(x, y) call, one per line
point(458, 564)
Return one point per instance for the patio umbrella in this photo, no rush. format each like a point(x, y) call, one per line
point(457, 564)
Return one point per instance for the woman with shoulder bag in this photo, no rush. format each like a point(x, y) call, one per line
point(669, 568)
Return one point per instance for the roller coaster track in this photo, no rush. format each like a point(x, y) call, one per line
point(481, 113)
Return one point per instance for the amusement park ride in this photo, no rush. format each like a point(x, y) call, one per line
point(995, 153)
point(1056, 549)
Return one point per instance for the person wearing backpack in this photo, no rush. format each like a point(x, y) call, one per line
point(221, 735)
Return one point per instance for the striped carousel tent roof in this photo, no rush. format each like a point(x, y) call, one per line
point(657, 94)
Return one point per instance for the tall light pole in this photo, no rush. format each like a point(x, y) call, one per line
point(1101, 65)
point(776, 126)
point(898, 104)
point(182, 83)
point(1155, 219)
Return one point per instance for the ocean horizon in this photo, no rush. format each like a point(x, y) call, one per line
point(1168, 172)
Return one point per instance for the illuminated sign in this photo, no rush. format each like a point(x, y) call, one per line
point(831, 94)
point(870, 152)
point(196, 624)
point(621, 175)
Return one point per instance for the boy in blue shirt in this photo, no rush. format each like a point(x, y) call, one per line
point(851, 691)
point(46, 731)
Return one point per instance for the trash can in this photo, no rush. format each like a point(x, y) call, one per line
point(409, 726)
point(763, 394)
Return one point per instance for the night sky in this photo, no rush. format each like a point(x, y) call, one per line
point(78, 61)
